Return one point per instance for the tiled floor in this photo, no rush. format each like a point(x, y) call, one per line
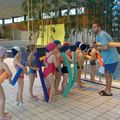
point(80, 104)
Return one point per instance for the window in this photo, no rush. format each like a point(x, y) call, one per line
point(81, 10)
point(1, 22)
point(49, 15)
point(19, 19)
point(64, 12)
point(72, 11)
point(8, 21)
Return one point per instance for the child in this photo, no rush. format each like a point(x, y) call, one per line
point(79, 82)
point(93, 53)
point(58, 69)
point(64, 69)
point(32, 71)
point(51, 64)
point(80, 52)
point(17, 62)
point(4, 67)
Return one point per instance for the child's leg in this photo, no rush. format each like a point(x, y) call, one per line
point(20, 89)
point(31, 78)
point(78, 77)
point(57, 81)
point(65, 79)
point(52, 86)
point(79, 82)
point(2, 102)
point(3, 115)
point(47, 83)
point(93, 70)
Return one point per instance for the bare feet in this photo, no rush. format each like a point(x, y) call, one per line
point(7, 116)
point(93, 80)
point(58, 93)
point(34, 98)
point(82, 84)
point(7, 113)
point(52, 100)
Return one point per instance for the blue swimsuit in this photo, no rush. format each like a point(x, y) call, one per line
point(31, 71)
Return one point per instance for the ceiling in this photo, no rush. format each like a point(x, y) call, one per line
point(10, 8)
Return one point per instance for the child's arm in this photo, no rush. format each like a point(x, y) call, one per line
point(16, 62)
point(29, 63)
point(6, 68)
point(69, 59)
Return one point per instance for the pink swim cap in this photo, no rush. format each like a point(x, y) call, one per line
point(66, 44)
point(2, 51)
point(51, 46)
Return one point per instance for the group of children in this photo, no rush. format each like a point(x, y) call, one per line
point(18, 63)
point(54, 68)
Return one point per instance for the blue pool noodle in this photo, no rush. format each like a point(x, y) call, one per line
point(13, 82)
point(41, 77)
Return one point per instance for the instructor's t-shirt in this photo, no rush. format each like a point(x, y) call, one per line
point(111, 54)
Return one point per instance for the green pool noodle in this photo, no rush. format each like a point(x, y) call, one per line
point(71, 81)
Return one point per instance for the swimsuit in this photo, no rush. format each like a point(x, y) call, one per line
point(93, 62)
point(50, 68)
point(21, 75)
point(64, 68)
point(31, 71)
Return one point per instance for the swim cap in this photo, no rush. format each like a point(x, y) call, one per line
point(77, 44)
point(66, 44)
point(82, 46)
point(51, 46)
point(89, 50)
point(3, 50)
point(87, 46)
point(65, 48)
point(56, 42)
point(73, 48)
point(15, 50)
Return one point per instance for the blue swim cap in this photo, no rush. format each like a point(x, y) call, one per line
point(73, 48)
point(65, 48)
point(15, 50)
point(57, 42)
point(82, 46)
point(77, 44)
point(89, 51)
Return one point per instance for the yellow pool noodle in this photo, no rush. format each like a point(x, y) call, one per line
point(111, 44)
point(42, 58)
point(3, 77)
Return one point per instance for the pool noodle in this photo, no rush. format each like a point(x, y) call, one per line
point(111, 44)
point(71, 81)
point(41, 77)
point(14, 80)
point(3, 76)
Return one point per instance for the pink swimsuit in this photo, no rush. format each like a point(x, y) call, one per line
point(50, 68)
point(1, 72)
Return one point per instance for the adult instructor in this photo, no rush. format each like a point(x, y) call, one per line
point(109, 55)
